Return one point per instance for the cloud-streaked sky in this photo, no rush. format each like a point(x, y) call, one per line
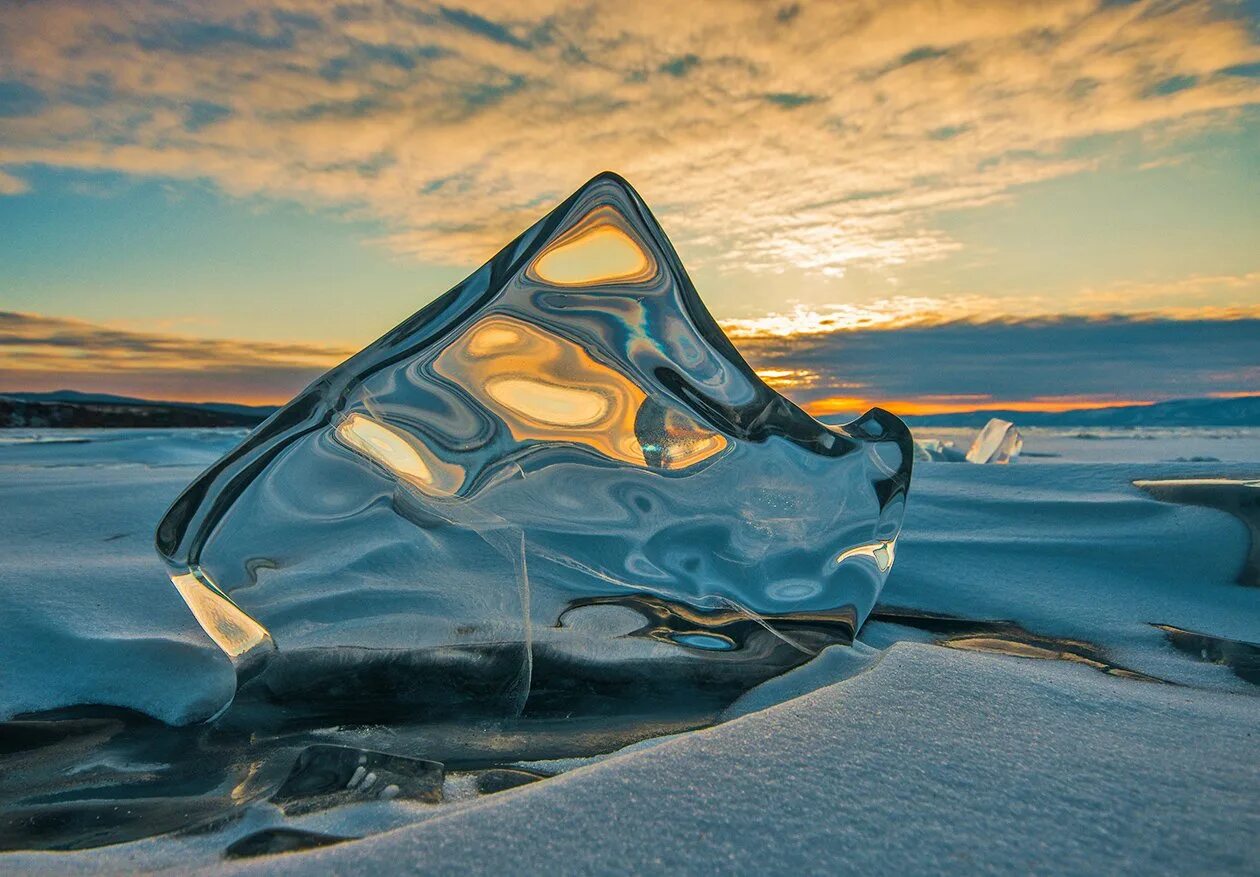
point(218, 200)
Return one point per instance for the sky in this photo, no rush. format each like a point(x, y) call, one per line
point(926, 205)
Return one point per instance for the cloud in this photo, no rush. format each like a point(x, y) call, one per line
point(1187, 298)
point(1052, 362)
point(822, 136)
point(49, 353)
point(11, 185)
point(1046, 362)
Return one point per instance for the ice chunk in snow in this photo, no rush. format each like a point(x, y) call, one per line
point(567, 426)
point(998, 442)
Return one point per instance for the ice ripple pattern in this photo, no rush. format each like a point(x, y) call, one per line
point(566, 427)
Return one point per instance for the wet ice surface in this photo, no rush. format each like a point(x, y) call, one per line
point(966, 757)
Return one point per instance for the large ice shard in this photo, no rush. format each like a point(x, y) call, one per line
point(563, 453)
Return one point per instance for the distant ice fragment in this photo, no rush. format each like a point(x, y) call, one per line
point(566, 428)
point(998, 442)
point(938, 451)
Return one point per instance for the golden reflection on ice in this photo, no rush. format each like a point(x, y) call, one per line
point(882, 552)
point(546, 388)
point(597, 250)
point(231, 629)
point(401, 453)
point(549, 403)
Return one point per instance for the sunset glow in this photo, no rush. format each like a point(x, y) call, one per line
point(920, 407)
point(914, 182)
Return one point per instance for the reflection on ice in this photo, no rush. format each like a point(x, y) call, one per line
point(546, 388)
point(1005, 638)
point(881, 553)
point(600, 249)
point(1243, 658)
point(230, 628)
point(270, 841)
point(400, 454)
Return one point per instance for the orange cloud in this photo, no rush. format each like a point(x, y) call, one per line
point(955, 404)
point(11, 185)
point(823, 136)
point(52, 353)
point(1188, 298)
point(1049, 365)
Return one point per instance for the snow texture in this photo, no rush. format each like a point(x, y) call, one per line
point(933, 760)
point(893, 757)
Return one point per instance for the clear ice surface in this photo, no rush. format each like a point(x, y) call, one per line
point(998, 442)
point(562, 458)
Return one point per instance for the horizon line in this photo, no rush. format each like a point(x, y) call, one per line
point(828, 407)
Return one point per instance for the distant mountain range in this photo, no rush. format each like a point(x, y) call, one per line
point(1234, 411)
point(72, 409)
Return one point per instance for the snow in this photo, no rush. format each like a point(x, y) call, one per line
point(88, 613)
point(1074, 550)
point(1118, 445)
point(931, 760)
point(888, 757)
point(116, 447)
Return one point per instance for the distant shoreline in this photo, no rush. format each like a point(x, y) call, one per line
point(1229, 411)
point(71, 409)
point(22, 411)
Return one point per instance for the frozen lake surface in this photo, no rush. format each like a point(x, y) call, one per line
point(1061, 676)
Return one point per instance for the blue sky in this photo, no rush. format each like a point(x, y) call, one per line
point(237, 196)
point(109, 248)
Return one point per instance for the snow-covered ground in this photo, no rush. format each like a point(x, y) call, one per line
point(1029, 743)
